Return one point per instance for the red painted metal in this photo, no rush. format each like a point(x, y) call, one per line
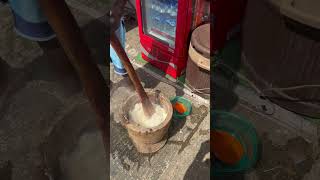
point(202, 10)
point(174, 60)
point(226, 15)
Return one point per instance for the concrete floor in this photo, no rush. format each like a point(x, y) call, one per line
point(44, 117)
point(47, 128)
point(286, 153)
point(289, 144)
point(182, 156)
point(186, 154)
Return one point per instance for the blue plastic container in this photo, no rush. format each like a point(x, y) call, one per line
point(121, 34)
point(29, 20)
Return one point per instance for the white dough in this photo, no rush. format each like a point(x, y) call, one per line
point(137, 115)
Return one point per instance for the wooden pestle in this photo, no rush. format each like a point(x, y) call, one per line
point(69, 35)
point(146, 103)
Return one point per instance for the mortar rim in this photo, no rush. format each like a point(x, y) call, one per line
point(138, 128)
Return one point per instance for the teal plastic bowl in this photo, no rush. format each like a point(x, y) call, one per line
point(186, 103)
point(245, 133)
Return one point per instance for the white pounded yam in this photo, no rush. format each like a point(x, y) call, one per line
point(137, 115)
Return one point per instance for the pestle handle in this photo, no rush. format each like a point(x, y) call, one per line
point(146, 103)
point(69, 35)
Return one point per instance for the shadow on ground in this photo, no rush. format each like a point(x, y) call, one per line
point(53, 69)
point(200, 167)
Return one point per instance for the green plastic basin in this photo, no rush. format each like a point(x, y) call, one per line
point(186, 103)
point(245, 133)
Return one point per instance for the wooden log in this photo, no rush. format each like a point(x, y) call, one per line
point(69, 36)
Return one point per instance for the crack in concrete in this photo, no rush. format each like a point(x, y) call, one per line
point(197, 117)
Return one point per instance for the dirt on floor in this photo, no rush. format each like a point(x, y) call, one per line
point(284, 153)
point(291, 161)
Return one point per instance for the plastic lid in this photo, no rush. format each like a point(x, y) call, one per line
point(304, 11)
point(200, 40)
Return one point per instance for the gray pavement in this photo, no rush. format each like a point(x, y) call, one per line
point(184, 154)
point(47, 128)
point(285, 153)
point(44, 116)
